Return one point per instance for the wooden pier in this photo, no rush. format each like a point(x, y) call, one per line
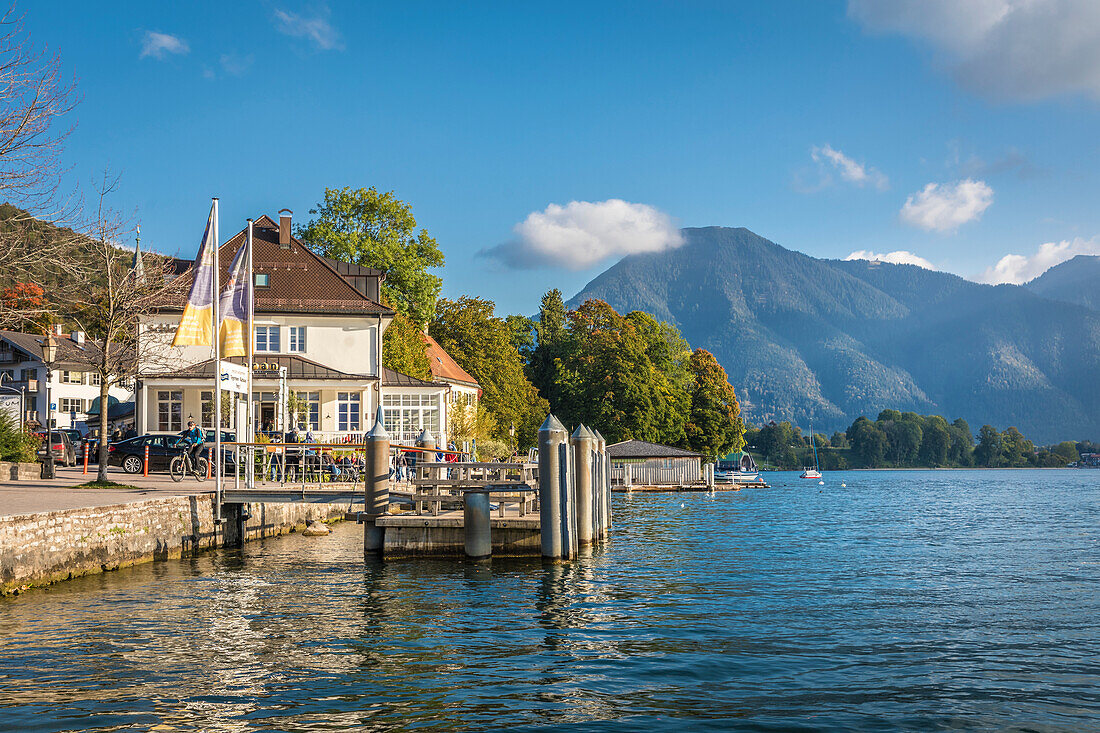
point(474, 510)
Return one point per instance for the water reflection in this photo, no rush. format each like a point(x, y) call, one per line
point(900, 601)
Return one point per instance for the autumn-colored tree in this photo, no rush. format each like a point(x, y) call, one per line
point(403, 348)
point(714, 426)
point(482, 344)
point(26, 303)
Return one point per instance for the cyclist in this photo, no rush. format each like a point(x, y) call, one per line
point(194, 439)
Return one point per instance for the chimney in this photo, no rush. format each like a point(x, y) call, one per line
point(284, 228)
point(58, 329)
point(78, 337)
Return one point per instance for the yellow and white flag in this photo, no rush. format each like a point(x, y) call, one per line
point(197, 324)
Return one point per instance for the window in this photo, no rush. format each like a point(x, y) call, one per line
point(347, 411)
point(298, 339)
point(312, 414)
point(262, 280)
point(407, 414)
point(267, 338)
point(68, 377)
point(169, 410)
point(207, 419)
point(93, 379)
point(69, 404)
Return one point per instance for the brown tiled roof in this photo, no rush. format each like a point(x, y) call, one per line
point(69, 352)
point(644, 449)
point(298, 367)
point(392, 378)
point(300, 280)
point(442, 365)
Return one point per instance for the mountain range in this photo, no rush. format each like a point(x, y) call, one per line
point(804, 339)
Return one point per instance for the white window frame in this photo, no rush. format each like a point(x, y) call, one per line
point(349, 409)
point(70, 404)
point(296, 339)
point(268, 330)
point(69, 376)
point(174, 397)
point(312, 417)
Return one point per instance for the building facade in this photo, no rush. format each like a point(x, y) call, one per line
point(73, 386)
point(317, 333)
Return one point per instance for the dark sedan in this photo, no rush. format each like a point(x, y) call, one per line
point(129, 454)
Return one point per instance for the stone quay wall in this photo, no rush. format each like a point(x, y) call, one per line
point(47, 547)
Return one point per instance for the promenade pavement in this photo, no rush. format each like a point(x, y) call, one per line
point(29, 497)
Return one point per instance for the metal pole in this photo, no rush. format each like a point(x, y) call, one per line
point(50, 468)
point(477, 535)
point(552, 436)
point(249, 414)
point(377, 495)
point(216, 310)
point(583, 463)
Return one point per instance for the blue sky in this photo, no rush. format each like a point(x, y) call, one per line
point(819, 125)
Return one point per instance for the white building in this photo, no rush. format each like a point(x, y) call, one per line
point(317, 317)
point(73, 387)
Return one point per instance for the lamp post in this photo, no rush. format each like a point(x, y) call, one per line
point(49, 353)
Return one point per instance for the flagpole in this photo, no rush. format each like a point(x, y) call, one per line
point(251, 431)
point(216, 297)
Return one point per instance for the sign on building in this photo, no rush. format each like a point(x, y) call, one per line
point(234, 377)
point(11, 404)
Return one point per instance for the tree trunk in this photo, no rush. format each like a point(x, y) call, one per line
point(104, 384)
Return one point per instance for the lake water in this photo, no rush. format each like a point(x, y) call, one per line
point(916, 600)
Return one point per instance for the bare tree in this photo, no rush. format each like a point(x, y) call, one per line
point(108, 299)
point(34, 97)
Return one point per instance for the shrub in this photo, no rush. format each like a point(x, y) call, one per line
point(15, 444)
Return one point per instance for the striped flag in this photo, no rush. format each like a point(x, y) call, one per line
point(233, 306)
point(197, 324)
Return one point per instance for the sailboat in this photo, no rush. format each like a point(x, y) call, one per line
point(814, 472)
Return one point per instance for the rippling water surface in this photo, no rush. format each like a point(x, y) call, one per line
point(919, 600)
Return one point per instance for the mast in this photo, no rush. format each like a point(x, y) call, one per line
point(216, 466)
point(250, 431)
point(813, 445)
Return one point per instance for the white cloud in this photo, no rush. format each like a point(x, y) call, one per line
point(943, 207)
point(583, 233)
point(1019, 269)
point(159, 45)
point(1005, 49)
point(897, 257)
point(317, 28)
point(849, 169)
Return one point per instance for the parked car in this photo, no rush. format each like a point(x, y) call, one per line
point(77, 440)
point(129, 454)
point(61, 445)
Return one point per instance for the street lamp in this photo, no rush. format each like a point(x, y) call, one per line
point(49, 354)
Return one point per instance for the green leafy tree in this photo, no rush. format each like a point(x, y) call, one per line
point(776, 441)
point(481, 343)
point(935, 441)
point(868, 442)
point(378, 230)
point(1016, 449)
point(544, 364)
point(403, 348)
point(989, 452)
point(1067, 450)
point(961, 451)
point(523, 335)
point(714, 426)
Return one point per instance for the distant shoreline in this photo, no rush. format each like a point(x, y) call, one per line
point(942, 468)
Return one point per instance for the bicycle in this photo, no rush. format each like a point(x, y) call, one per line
point(181, 465)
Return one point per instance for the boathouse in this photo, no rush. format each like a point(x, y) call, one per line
point(640, 463)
